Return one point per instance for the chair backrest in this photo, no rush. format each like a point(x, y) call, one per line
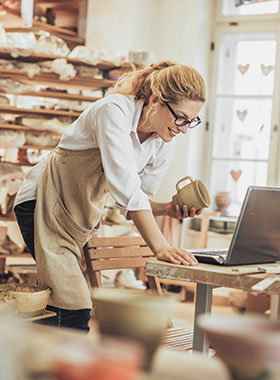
point(114, 253)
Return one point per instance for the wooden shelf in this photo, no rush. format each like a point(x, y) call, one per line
point(41, 112)
point(6, 219)
point(55, 95)
point(22, 128)
point(36, 147)
point(10, 256)
point(38, 57)
point(53, 80)
point(27, 164)
point(63, 33)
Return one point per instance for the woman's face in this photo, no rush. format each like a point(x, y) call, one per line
point(162, 118)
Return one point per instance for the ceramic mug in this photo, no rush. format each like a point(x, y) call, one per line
point(194, 194)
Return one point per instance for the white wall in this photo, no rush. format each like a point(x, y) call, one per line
point(171, 29)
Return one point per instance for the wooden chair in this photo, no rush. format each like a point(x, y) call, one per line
point(122, 252)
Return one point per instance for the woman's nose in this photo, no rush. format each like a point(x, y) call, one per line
point(183, 129)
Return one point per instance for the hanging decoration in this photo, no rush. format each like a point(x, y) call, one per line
point(241, 115)
point(235, 174)
point(266, 69)
point(239, 3)
point(261, 128)
point(243, 69)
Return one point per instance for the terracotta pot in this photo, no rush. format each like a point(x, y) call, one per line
point(222, 201)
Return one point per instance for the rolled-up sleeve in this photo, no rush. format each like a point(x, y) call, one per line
point(113, 135)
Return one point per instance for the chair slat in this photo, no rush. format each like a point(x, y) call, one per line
point(108, 253)
point(118, 264)
point(119, 241)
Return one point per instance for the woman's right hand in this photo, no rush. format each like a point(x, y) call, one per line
point(177, 256)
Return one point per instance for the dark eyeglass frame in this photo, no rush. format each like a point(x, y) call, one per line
point(190, 123)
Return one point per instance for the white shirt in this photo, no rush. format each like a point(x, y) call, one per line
point(133, 170)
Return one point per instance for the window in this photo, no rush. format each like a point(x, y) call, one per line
point(243, 106)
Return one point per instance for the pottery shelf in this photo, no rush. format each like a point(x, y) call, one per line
point(38, 57)
point(69, 36)
point(38, 112)
point(56, 95)
point(6, 219)
point(22, 128)
point(51, 79)
point(37, 147)
point(27, 164)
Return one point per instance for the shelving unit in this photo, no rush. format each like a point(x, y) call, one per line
point(38, 112)
point(22, 128)
point(51, 80)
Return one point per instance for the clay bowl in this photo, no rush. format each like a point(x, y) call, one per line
point(134, 315)
point(28, 300)
point(249, 345)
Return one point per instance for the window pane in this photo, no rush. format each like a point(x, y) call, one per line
point(242, 128)
point(235, 177)
point(242, 69)
point(257, 8)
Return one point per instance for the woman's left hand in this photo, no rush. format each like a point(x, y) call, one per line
point(175, 211)
point(176, 256)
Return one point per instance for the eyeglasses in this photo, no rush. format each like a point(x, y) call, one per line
point(181, 121)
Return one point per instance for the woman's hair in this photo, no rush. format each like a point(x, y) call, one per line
point(168, 80)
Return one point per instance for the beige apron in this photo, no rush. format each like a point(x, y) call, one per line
point(70, 201)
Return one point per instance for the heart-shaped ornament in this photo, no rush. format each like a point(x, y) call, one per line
point(266, 69)
point(242, 69)
point(241, 114)
point(235, 174)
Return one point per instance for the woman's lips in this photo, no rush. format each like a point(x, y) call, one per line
point(172, 133)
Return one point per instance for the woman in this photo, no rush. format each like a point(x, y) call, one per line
point(124, 144)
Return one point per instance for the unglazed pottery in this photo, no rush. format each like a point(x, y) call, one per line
point(249, 345)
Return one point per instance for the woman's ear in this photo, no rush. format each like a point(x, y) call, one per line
point(153, 99)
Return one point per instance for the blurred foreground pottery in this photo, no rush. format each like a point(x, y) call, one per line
point(194, 194)
point(134, 315)
point(250, 346)
point(28, 300)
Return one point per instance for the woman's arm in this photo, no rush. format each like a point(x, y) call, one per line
point(148, 228)
point(160, 209)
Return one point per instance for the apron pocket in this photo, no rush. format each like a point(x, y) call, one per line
point(68, 224)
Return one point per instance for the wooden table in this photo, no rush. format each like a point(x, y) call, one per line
point(207, 277)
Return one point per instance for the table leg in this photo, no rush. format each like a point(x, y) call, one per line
point(275, 306)
point(203, 304)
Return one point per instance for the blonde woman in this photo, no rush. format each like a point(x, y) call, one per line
point(123, 144)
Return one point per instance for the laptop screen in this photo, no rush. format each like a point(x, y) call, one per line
point(257, 235)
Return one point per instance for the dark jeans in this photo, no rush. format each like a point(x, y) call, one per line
point(77, 319)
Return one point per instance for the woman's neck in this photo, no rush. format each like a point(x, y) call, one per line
point(144, 128)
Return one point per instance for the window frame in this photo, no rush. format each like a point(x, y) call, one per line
point(241, 24)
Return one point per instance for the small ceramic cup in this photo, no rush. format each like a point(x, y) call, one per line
point(194, 194)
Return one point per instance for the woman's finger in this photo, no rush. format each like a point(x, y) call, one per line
point(183, 260)
point(190, 257)
point(192, 212)
point(178, 212)
point(185, 211)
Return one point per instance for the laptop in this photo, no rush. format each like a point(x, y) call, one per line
point(256, 238)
